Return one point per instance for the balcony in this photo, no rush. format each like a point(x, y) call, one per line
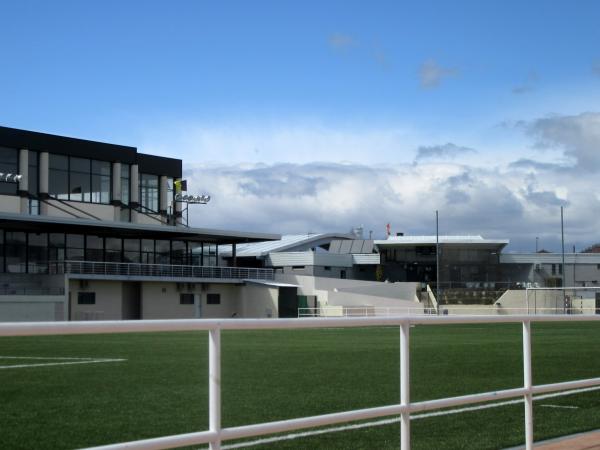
point(161, 272)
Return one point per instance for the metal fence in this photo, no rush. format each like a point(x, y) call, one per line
point(26, 290)
point(158, 270)
point(216, 433)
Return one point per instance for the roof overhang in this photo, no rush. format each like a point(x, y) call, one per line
point(48, 224)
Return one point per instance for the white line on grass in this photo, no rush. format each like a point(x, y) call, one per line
point(376, 423)
point(560, 406)
point(65, 363)
point(45, 357)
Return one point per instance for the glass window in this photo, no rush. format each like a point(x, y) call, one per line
point(195, 253)
point(75, 247)
point(15, 251)
point(56, 247)
point(79, 179)
point(147, 251)
point(178, 252)
point(213, 299)
point(131, 250)
point(86, 298)
point(149, 192)
point(37, 253)
point(1, 251)
point(9, 163)
point(101, 181)
point(163, 250)
point(94, 248)
point(58, 177)
point(186, 299)
point(125, 177)
point(114, 247)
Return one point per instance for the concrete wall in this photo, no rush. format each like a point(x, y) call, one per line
point(259, 301)
point(161, 301)
point(545, 302)
point(108, 300)
point(10, 203)
point(230, 304)
point(104, 212)
point(32, 308)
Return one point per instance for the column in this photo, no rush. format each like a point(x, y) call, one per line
point(44, 176)
point(163, 196)
point(23, 189)
point(134, 191)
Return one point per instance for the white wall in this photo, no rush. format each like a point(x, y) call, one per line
point(259, 301)
point(108, 300)
point(32, 308)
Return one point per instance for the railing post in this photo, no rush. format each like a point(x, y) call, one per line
point(527, 383)
point(214, 385)
point(405, 385)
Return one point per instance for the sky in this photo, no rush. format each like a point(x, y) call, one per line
point(320, 116)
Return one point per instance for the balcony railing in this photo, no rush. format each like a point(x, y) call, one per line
point(158, 270)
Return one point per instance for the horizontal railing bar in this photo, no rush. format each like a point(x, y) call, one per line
point(279, 426)
point(126, 326)
point(429, 405)
point(173, 441)
point(565, 385)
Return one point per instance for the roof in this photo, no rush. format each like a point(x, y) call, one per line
point(83, 148)
point(549, 258)
point(22, 222)
point(289, 242)
point(431, 240)
point(270, 283)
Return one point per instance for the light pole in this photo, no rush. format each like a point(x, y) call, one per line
point(437, 259)
point(536, 243)
point(562, 238)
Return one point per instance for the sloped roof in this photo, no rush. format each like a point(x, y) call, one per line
point(289, 242)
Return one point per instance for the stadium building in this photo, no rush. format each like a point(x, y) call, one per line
point(96, 231)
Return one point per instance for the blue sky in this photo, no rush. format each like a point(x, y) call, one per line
point(457, 87)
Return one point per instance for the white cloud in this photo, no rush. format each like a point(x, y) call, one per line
point(578, 136)
point(291, 143)
point(516, 203)
point(431, 74)
point(445, 151)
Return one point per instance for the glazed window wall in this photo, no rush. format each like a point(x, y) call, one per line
point(149, 192)
point(9, 163)
point(79, 179)
point(22, 252)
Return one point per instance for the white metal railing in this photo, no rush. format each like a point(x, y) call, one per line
point(216, 434)
point(363, 311)
point(158, 270)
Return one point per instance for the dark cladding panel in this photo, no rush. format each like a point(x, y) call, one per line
point(335, 246)
point(158, 165)
point(356, 246)
point(32, 140)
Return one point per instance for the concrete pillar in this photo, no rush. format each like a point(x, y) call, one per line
point(178, 206)
point(163, 196)
point(44, 168)
point(117, 198)
point(23, 189)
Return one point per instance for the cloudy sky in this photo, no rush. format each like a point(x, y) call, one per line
point(313, 116)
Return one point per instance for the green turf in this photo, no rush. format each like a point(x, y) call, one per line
point(269, 375)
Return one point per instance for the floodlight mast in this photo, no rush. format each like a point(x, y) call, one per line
point(191, 200)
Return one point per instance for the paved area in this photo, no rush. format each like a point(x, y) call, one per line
point(582, 441)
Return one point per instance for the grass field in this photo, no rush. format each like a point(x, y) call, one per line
point(161, 386)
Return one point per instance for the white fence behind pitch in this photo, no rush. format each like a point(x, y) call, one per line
point(216, 434)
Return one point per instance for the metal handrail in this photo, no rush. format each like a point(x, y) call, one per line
point(158, 270)
point(216, 434)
